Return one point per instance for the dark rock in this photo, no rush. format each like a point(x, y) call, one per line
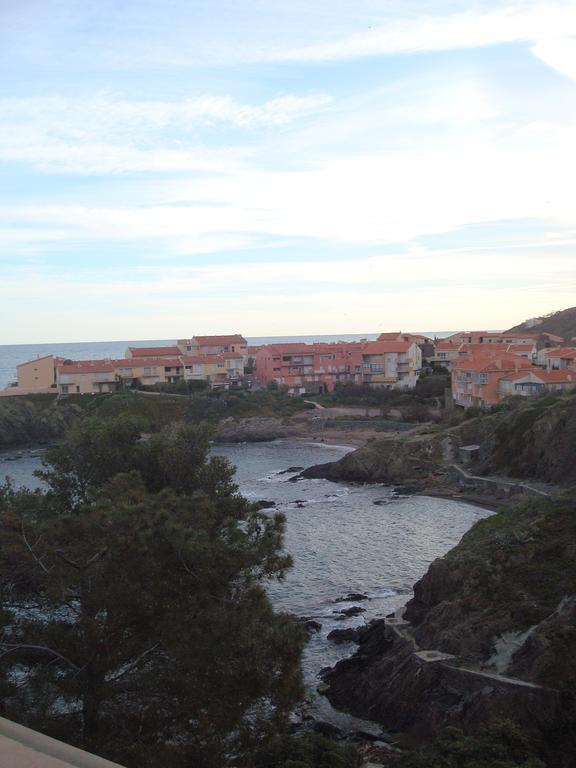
point(328, 730)
point(408, 489)
point(312, 625)
point(324, 671)
point(351, 597)
point(355, 610)
point(290, 470)
point(295, 479)
point(349, 635)
point(264, 504)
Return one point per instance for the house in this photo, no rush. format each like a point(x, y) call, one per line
point(491, 337)
point(391, 364)
point(445, 353)
point(476, 377)
point(218, 370)
point(558, 358)
point(86, 377)
point(39, 374)
point(147, 371)
point(214, 345)
point(418, 338)
point(535, 382)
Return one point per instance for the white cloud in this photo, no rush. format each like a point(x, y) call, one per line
point(558, 53)
point(107, 135)
point(509, 22)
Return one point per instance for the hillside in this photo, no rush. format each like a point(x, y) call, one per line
point(533, 441)
point(502, 603)
point(562, 323)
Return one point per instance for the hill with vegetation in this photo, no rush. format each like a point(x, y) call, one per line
point(561, 323)
point(37, 419)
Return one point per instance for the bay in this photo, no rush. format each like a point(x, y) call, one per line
point(340, 539)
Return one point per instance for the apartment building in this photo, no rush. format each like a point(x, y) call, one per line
point(392, 364)
point(214, 345)
point(535, 382)
point(309, 367)
point(476, 377)
point(491, 337)
point(87, 377)
point(218, 370)
point(557, 359)
point(320, 367)
point(444, 355)
point(39, 373)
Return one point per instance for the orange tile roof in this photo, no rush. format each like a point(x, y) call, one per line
point(235, 338)
point(154, 351)
point(147, 362)
point(87, 366)
point(563, 352)
point(381, 347)
point(487, 362)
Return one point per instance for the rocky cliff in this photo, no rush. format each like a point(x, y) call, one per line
point(533, 440)
point(503, 605)
point(34, 419)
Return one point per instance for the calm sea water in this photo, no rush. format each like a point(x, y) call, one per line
point(341, 542)
point(13, 355)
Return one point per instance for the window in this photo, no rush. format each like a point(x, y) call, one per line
point(64, 389)
point(150, 372)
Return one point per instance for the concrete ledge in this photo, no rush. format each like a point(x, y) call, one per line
point(21, 747)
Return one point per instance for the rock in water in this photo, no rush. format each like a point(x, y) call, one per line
point(349, 635)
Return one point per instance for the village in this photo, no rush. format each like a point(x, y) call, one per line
point(485, 367)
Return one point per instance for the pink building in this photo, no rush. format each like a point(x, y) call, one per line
point(309, 367)
point(320, 367)
point(476, 377)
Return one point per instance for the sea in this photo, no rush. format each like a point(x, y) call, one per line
point(13, 355)
point(343, 538)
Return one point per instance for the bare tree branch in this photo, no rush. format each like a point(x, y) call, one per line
point(40, 563)
point(12, 647)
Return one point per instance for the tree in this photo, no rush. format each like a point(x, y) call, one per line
point(135, 619)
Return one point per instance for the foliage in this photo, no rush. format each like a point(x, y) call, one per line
point(135, 619)
point(306, 752)
point(499, 745)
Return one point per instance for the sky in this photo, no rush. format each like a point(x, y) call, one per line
point(172, 167)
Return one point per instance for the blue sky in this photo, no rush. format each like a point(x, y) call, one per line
point(171, 167)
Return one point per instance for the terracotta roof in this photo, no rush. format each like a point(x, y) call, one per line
point(154, 351)
point(446, 346)
point(235, 338)
point(486, 362)
point(147, 362)
point(393, 336)
point(551, 377)
point(381, 347)
point(562, 352)
point(87, 366)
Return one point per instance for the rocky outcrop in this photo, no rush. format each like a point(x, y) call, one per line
point(254, 430)
point(34, 420)
point(499, 611)
point(532, 441)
